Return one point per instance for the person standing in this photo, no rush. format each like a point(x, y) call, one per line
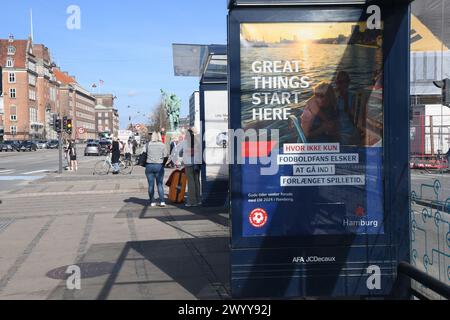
point(128, 149)
point(72, 154)
point(135, 145)
point(156, 156)
point(115, 155)
point(66, 153)
point(191, 152)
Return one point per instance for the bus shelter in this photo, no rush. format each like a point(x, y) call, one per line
point(319, 182)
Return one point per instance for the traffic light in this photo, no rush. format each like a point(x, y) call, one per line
point(445, 86)
point(65, 119)
point(69, 126)
point(58, 125)
point(53, 121)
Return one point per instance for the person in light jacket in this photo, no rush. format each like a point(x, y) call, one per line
point(156, 156)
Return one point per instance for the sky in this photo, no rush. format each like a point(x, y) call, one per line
point(126, 44)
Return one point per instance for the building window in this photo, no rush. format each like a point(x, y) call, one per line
point(9, 63)
point(12, 93)
point(33, 115)
point(11, 50)
point(13, 130)
point(13, 117)
point(32, 95)
point(12, 77)
point(32, 66)
point(32, 80)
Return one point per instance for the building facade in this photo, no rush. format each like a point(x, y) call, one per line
point(19, 77)
point(106, 116)
point(47, 90)
point(30, 90)
point(77, 104)
point(2, 110)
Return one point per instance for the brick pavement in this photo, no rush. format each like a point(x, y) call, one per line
point(126, 250)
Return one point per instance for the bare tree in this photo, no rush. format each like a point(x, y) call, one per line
point(158, 118)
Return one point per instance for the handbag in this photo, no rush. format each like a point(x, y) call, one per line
point(143, 158)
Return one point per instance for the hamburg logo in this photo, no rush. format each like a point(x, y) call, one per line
point(258, 218)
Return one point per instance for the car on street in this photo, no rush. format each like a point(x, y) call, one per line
point(42, 144)
point(28, 146)
point(53, 144)
point(92, 149)
point(105, 147)
point(9, 146)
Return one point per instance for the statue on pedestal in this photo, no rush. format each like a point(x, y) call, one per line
point(172, 105)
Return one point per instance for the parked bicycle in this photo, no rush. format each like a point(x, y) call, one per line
point(104, 167)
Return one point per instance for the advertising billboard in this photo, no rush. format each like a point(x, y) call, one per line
point(319, 86)
point(216, 135)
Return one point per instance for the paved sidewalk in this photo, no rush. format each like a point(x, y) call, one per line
point(126, 250)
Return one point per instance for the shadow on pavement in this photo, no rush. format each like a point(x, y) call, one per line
point(139, 208)
point(157, 270)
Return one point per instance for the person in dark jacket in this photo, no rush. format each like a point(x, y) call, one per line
point(115, 155)
point(72, 153)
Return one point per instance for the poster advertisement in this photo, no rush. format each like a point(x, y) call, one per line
point(216, 135)
point(321, 86)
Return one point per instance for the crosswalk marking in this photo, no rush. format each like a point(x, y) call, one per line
point(6, 171)
point(14, 178)
point(37, 171)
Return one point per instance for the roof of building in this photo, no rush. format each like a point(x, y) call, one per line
point(63, 77)
point(20, 54)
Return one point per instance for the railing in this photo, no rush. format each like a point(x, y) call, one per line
point(406, 270)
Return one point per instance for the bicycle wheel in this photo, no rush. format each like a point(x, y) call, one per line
point(102, 168)
point(126, 167)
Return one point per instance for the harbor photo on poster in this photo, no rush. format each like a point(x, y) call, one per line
point(321, 86)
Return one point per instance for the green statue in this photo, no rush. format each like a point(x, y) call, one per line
point(172, 105)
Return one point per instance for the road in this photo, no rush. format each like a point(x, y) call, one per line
point(19, 168)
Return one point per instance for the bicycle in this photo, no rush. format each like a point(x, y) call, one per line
point(104, 167)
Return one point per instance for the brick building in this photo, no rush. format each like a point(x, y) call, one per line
point(2, 110)
point(30, 90)
point(47, 89)
point(106, 116)
point(19, 78)
point(78, 104)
